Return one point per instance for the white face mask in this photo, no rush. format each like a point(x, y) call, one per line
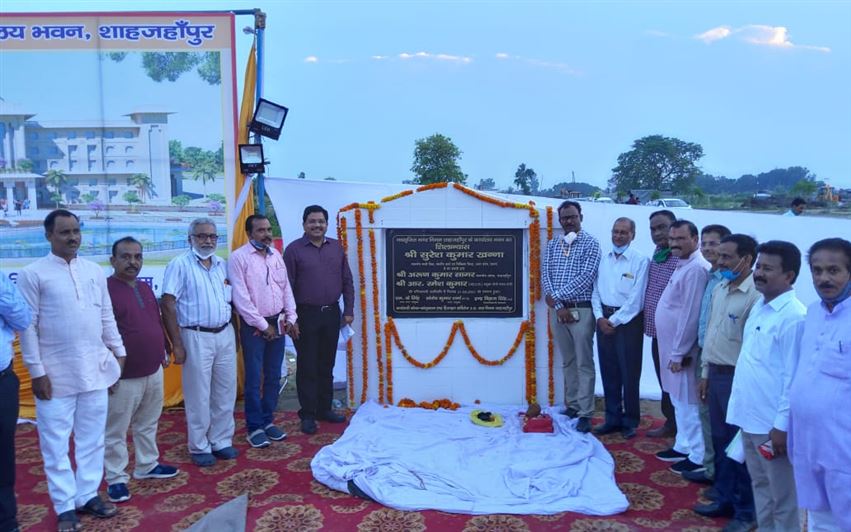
point(569, 238)
point(203, 256)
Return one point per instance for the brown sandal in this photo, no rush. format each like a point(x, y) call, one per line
point(98, 508)
point(68, 522)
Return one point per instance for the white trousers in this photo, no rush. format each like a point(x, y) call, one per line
point(137, 404)
point(821, 521)
point(84, 414)
point(209, 388)
point(689, 432)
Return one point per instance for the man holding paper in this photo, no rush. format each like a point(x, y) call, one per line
point(264, 300)
point(319, 273)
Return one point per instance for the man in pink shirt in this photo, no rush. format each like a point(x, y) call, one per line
point(264, 300)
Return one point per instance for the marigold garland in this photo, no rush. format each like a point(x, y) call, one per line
point(389, 348)
point(396, 196)
point(551, 389)
point(376, 319)
point(524, 327)
point(533, 212)
point(430, 405)
point(432, 186)
point(534, 289)
point(350, 372)
point(362, 279)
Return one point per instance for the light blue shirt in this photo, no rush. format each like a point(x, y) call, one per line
point(15, 315)
point(714, 279)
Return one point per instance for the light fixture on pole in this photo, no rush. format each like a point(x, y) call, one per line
point(268, 119)
point(251, 159)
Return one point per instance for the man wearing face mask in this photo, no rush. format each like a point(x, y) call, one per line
point(659, 272)
point(731, 304)
point(759, 401)
point(196, 312)
point(710, 239)
point(676, 325)
point(820, 420)
point(264, 300)
point(617, 301)
point(569, 272)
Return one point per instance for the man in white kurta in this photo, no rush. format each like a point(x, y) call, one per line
point(677, 317)
point(820, 397)
point(73, 352)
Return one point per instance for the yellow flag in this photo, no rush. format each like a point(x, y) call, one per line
point(246, 112)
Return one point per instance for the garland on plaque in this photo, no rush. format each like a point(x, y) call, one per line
point(551, 389)
point(430, 405)
point(391, 334)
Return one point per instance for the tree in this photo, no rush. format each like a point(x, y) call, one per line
point(804, 188)
point(205, 170)
point(175, 152)
point(658, 163)
point(132, 199)
point(180, 201)
point(25, 165)
point(486, 184)
point(436, 161)
point(301, 175)
point(144, 186)
point(526, 179)
point(170, 66)
point(57, 180)
point(97, 206)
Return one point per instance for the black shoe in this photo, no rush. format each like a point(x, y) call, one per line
point(686, 465)
point(606, 428)
point(628, 433)
point(572, 413)
point(331, 417)
point(665, 431)
point(584, 425)
point(308, 426)
point(714, 510)
point(670, 455)
point(737, 525)
point(697, 476)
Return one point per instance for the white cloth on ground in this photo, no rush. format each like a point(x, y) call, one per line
point(417, 459)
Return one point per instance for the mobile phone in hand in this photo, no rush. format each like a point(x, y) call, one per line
point(766, 450)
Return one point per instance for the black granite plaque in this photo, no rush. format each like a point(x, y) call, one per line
point(439, 273)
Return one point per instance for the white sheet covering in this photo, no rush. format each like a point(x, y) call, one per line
point(416, 459)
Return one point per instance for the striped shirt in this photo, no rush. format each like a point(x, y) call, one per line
point(203, 296)
point(570, 271)
point(658, 276)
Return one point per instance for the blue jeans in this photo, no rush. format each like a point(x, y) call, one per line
point(263, 361)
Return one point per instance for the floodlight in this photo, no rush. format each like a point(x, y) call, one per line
point(251, 159)
point(268, 119)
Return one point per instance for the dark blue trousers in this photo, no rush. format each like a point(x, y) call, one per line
point(262, 361)
point(316, 351)
point(732, 481)
point(8, 422)
point(620, 368)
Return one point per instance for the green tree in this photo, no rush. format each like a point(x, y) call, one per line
point(180, 201)
point(56, 179)
point(659, 163)
point(804, 188)
point(526, 179)
point(436, 161)
point(132, 199)
point(175, 152)
point(144, 186)
point(170, 66)
point(205, 170)
point(25, 165)
point(486, 184)
point(88, 197)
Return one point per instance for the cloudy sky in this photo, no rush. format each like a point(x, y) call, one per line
point(561, 86)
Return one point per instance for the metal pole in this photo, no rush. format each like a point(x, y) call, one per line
point(260, 186)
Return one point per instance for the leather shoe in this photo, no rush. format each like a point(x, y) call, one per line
point(697, 476)
point(332, 417)
point(606, 428)
point(737, 525)
point(583, 425)
point(308, 426)
point(572, 413)
point(664, 431)
point(714, 510)
point(628, 433)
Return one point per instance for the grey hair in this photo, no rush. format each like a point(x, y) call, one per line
point(200, 221)
point(630, 221)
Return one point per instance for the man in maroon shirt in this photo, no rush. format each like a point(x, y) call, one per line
point(319, 273)
point(136, 400)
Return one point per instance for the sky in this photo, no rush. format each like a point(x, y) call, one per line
point(563, 87)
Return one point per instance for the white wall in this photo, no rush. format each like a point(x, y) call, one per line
point(459, 376)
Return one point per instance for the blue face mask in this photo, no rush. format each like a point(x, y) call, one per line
point(259, 246)
point(619, 250)
point(842, 296)
point(730, 275)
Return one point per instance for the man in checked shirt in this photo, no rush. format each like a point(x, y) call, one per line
point(570, 269)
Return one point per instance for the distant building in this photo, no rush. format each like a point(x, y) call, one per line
point(98, 157)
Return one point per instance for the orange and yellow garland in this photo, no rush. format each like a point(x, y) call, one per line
point(430, 405)
point(551, 389)
point(344, 241)
point(376, 319)
point(362, 279)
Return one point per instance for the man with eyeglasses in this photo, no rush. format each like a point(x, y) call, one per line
point(196, 311)
point(570, 269)
point(264, 300)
